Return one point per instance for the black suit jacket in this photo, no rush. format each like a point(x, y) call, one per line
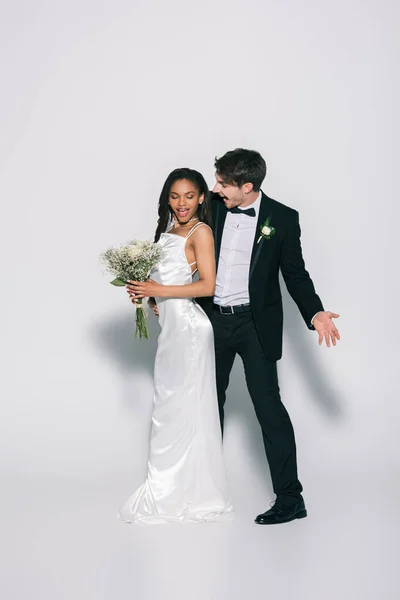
point(281, 252)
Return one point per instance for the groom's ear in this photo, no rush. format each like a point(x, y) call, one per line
point(247, 188)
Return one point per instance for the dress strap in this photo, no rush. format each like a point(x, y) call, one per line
point(196, 226)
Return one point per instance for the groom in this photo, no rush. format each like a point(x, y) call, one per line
point(255, 237)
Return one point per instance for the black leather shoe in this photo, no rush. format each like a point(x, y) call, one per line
point(281, 513)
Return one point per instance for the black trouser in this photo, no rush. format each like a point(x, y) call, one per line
point(236, 333)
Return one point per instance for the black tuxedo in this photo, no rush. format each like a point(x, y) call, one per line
point(282, 251)
point(256, 335)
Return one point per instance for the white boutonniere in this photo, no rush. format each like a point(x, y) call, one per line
point(266, 230)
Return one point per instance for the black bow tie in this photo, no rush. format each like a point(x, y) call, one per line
point(250, 212)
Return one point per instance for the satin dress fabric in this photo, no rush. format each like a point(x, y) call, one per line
point(186, 479)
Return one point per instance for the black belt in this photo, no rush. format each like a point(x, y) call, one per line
point(232, 310)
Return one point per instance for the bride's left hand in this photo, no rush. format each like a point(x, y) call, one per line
point(144, 289)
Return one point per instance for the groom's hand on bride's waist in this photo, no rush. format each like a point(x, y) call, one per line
point(153, 305)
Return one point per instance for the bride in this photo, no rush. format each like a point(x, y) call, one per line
point(186, 478)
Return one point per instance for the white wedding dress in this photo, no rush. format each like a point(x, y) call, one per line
point(186, 476)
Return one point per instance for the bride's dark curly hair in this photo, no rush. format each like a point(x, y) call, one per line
point(164, 209)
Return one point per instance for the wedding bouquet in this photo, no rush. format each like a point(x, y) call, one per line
point(133, 261)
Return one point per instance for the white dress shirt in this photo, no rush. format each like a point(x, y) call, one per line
point(232, 285)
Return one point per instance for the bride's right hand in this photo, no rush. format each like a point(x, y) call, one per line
point(131, 296)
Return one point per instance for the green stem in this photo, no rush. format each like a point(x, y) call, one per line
point(141, 325)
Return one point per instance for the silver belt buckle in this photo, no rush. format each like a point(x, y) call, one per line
point(226, 312)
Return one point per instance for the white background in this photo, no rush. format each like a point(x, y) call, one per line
point(99, 102)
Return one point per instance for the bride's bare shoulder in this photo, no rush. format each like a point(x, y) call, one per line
point(202, 233)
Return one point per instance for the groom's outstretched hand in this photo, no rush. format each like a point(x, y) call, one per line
point(326, 328)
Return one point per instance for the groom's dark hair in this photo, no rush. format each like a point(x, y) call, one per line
point(241, 166)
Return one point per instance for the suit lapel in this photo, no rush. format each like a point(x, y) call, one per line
point(265, 211)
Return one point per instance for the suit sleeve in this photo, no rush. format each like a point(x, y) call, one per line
point(297, 279)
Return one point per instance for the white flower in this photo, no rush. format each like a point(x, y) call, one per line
point(266, 230)
point(134, 250)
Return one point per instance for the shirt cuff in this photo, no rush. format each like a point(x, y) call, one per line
point(317, 313)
